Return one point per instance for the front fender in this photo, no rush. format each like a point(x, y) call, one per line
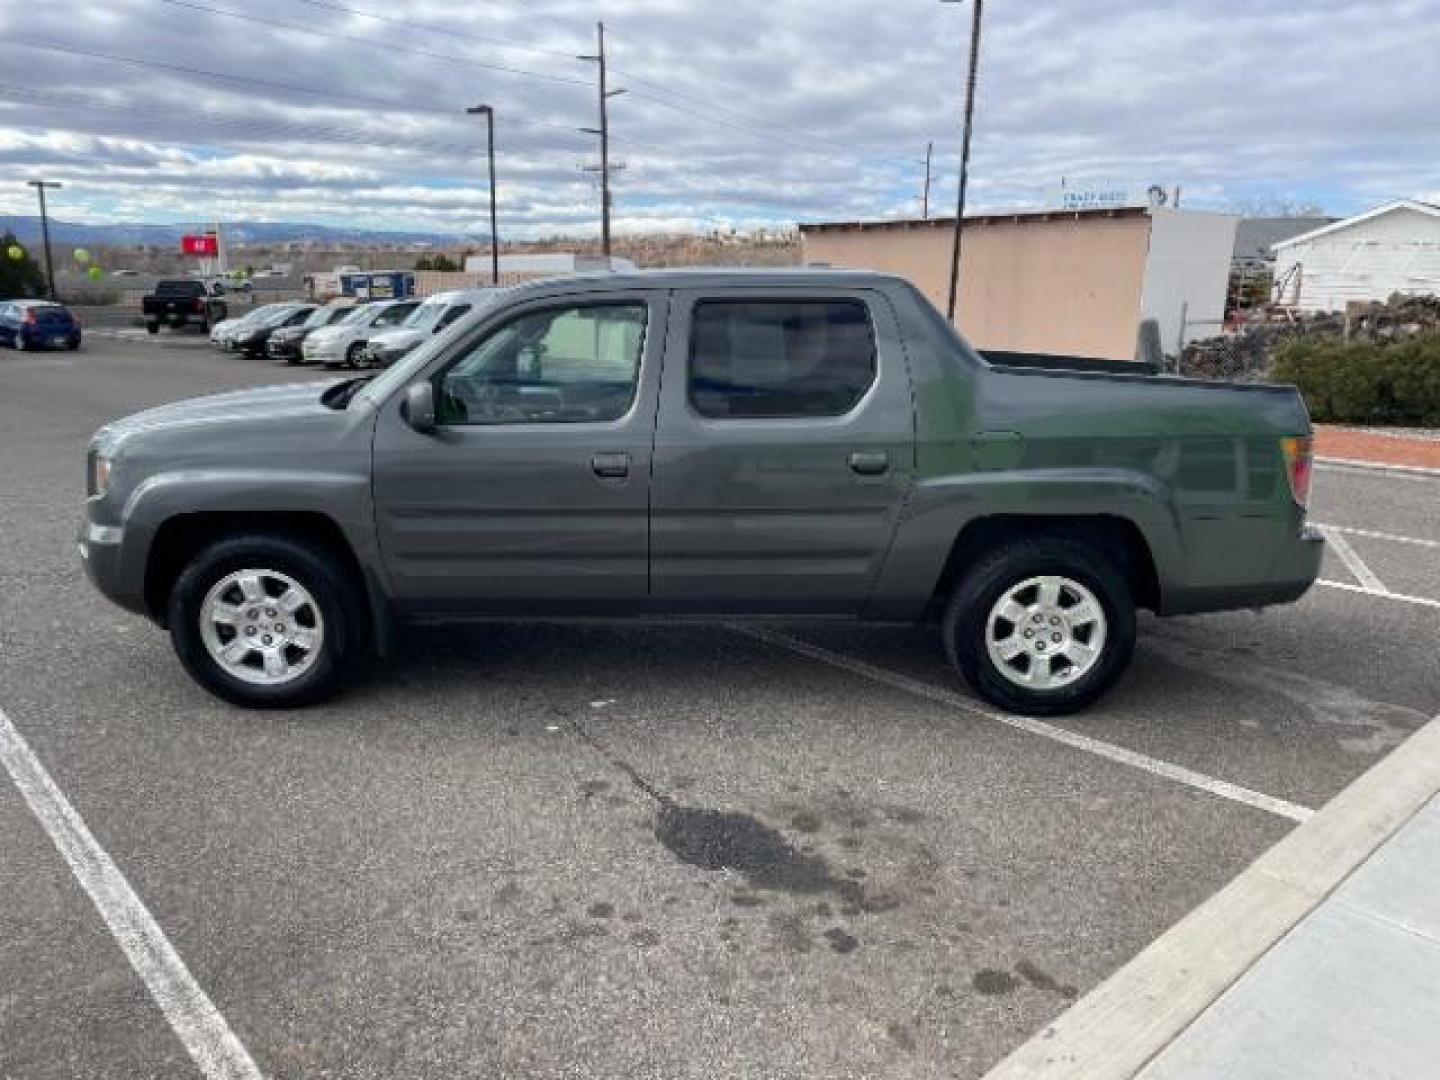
point(344, 498)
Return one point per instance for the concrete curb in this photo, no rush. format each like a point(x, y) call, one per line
point(1125, 1022)
point(1377, 467)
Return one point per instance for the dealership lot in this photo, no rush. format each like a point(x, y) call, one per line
point(497, 856)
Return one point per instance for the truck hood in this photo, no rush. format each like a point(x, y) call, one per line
point(291, 405)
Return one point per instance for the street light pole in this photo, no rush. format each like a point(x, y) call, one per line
point(489, 114)
point(40, 186)
point(976, 18)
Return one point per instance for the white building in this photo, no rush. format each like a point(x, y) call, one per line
point(1394, 248)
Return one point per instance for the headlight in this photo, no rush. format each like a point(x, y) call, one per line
point(99, 479)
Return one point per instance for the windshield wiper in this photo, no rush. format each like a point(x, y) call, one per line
point(339, 396)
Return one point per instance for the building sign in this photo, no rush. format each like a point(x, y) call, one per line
point(1100, 195)
point(206, 246)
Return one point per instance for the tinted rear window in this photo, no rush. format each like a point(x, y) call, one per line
point(763, 358)
point(180, 288)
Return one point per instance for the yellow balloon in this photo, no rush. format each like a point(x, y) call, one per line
point(96, 273)
point(16, 252)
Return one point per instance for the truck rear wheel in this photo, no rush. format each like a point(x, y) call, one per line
point(1041, 626)
point(266, 622)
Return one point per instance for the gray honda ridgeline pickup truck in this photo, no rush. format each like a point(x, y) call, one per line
point(799, 444)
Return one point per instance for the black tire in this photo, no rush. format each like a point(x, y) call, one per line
point(352, 354)
point(152, 328)
point(339, 601)
point(996, 573)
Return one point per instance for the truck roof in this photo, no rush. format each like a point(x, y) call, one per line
point(702, 277)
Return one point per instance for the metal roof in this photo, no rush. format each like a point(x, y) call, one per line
point(1379, 211)
point(1017, 217)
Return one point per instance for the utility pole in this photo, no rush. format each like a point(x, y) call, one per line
point(925, 198)
point(604, 132)
point(976, 18)
point(40, 186)
point(489, 114)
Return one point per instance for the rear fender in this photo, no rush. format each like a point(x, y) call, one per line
point(939, 510)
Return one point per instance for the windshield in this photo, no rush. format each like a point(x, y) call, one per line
point(319, 317)
point(277, 316)
point(259, 313)
point(358, 314)
point(426, 315)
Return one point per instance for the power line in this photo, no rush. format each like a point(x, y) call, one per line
point(385, 45)
point(258, 129)
point(394, 107)
point(181, 69)
point(447, 31)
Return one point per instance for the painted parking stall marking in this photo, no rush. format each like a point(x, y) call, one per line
point(1190, 778)
point(190, 1012)
point(1351, 558)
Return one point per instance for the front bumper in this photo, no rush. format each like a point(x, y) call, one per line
point(323, 354)
point(383, 357)
point(283, 350)
point(102, 554)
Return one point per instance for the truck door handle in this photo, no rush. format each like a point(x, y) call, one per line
point(869, 463)
point(611, 466)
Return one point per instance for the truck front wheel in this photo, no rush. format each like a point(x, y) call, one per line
point(266, 622)
point(1041, 626)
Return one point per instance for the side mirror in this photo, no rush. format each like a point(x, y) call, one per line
point(419, 409)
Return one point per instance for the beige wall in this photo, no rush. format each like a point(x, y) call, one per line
point(1062, 286)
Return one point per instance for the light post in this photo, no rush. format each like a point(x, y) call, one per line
point(975, 22)
point(489, 114)
point(41, 185)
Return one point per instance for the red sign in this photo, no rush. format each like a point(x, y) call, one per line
point(206, 246)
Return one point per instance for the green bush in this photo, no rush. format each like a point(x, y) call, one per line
point(1362, 382)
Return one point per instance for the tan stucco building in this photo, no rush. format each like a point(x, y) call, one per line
point(1075, 282)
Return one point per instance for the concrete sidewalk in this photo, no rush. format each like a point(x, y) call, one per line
point(1321, 961)
point(1352, 991)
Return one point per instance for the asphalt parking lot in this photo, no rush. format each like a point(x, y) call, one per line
point(658, 851)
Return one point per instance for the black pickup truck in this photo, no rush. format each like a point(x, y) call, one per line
point(182, 302)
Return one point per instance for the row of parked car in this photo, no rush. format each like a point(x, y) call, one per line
point(344, 332)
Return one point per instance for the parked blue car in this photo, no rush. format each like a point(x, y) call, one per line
point(38, 324)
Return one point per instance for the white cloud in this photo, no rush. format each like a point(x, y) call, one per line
point(751, 111)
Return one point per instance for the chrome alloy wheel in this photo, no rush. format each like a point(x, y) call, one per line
point(262, 626)
point(1046, 632)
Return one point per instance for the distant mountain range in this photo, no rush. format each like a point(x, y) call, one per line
point(129, 234)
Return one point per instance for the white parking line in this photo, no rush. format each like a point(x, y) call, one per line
point(1423, 601)
point(1373, 535)
point(192, 1015)
point(1221, 788)
point(1353, 562)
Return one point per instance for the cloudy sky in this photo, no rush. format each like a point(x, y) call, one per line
point(743, 113)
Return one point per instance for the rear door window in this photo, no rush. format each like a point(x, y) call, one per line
point(780, 358)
